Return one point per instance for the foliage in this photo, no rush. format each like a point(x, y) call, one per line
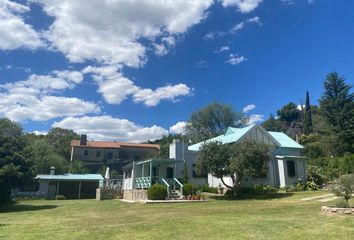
point(207, 188)
point(157, 192)
point(337, 107)
point(60, 140)
point(312, 146)
point(289, 113)
point(185, 172)
point(307, 124)
point(165, 142)
point(259, 189)
point(189, 189)
point(77, 167)
point(344, 187)
point(212, 120)
point(311, 186)
point(233, 160)
point(341, 203)
point(272, 124)
point(15, 168)
point(60, 197)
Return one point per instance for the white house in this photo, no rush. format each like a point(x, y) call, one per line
point(286, 166)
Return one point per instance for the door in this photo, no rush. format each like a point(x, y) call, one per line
point(155, 175)
point(52, 190)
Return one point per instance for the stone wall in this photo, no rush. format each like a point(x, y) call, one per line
point(135, 195)
point(337, 211)
point(106, 193)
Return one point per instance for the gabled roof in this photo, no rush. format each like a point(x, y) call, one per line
point(285, 140)
point(106, 144)
point(235, 134)
point(69, 176)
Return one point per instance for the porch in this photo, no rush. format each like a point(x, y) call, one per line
point(140, 175)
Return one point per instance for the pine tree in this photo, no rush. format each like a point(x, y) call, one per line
point(337, 107)
point(307, 125)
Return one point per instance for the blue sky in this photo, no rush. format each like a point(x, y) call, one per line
point(133, 71)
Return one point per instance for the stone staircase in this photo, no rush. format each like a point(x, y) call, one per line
point(176, 195)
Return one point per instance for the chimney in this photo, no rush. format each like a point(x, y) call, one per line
point(83, 139)
point(52, 171)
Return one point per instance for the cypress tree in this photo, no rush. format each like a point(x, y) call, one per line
point(307, 125)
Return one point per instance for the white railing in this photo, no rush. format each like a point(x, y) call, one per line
point(181, 186)
point(168, 187)
point(113, 183)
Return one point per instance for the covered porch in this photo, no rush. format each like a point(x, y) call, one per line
point(143, 174)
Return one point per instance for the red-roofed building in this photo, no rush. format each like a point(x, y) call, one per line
point(95, 154)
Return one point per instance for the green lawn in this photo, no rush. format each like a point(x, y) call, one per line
point(284, 217)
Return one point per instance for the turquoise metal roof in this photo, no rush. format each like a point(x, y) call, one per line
point(235, 134)
point(231, 135)
point(69, 176)
point(285, 140)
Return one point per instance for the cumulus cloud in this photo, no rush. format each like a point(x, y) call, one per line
point(82, 33)
point(115, 88)
point(222, 49)
point(248, 108)
point(179, 128)
point(14, 32)
point(235, 59)
point(244, 6)
point(31, 99)
point(110, 128)
point(255, 118)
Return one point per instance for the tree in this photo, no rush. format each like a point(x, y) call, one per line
point(337, 107)
point(312, 145)
point(345, 187)
point(60, 139)
point(213, 120)
point(289, 113)
point(307, 124)
point(272, 124)
point(14, 167)
point(233, 160)
point(165, 142)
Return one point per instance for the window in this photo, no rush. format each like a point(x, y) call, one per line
point(291, 168)
point(109, 155)
point(169, 172)
point(86, 153)
point(98, 154)
point(196, 175)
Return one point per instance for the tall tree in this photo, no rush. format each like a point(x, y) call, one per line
point(272, 124)
point(60, 139)
point(14, 167)
point(307, 124)
point(337, 107)
point(213, 120)
point(289, 113)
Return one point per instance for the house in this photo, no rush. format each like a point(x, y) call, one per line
point(287, 166)
point(72, 186)
point(95, 154)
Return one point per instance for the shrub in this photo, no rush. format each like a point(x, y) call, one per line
point(344, 187)
point(206, 188)
point(258, 189)
point(157, 192)
point(189, 189)
point(311, 186)
point(341, 203)
point(60, 197)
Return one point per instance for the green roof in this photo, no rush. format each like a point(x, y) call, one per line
point(79, 177)
point(235, 134)
point(285, 140)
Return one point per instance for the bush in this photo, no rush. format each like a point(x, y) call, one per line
point(311, 186)
point(189, 189)
point(341, 203)
point(258, 189)
point(206, 188)
point(157, 192)
point(60, 197)
point(344, 187)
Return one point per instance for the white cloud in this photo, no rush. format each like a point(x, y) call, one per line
point(212, 35)
point(237, 27)
point(111, 31)
point(244, 6)
point(222, 49)
point(40, 132)
point(115, 88)
point(31, 100)
point(234, 59)
point(14, 32)
point(248, 108)
point(110, 128)
point(255, 118)
point(179, 128)
point(300, 107)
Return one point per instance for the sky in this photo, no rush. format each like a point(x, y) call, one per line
point(136, 70)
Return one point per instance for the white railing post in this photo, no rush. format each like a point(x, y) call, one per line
point(180, 184)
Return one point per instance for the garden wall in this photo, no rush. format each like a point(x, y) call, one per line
point(135, 195)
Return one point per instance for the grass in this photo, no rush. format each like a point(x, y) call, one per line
point(274, 217)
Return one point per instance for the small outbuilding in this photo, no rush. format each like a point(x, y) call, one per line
point(72, 186)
